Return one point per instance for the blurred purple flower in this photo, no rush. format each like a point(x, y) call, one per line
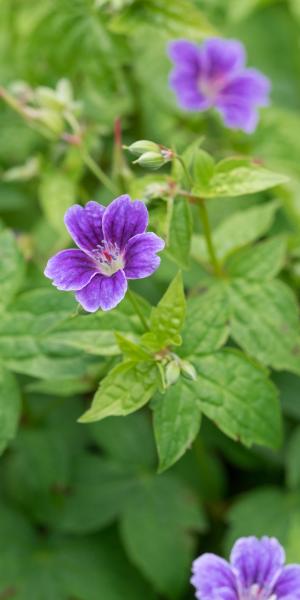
point(214, 74)
point(256, 572)
point(113, 247)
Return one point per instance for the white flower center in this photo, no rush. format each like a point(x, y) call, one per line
point(255, 592)
point(210, 88)
point(108, 258)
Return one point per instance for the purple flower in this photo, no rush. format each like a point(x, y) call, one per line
point(214, 74)
point(256, 572)
point(113, 247)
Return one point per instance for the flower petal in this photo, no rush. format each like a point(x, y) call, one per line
point(140, 255)
point(184, 79)
point(251, 86)
point(257, 561)
point(237, 114)
point(123, 219)
point(222, 58)
point(84, 224)
point(186, 87)
point(213, 579)
point(288, 584)
point(185, 53)
point(103, 292)
point(70, 269)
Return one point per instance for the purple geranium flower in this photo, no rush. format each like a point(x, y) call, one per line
point(214, 74)
point(256, 572)
point(113, 247)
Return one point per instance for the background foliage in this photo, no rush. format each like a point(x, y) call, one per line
point(83, 513)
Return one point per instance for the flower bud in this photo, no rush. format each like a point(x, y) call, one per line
point(188, 370)
point(151, 160)
point(172, 372)
point(138, 148)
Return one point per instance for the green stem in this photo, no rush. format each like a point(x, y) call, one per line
point(92, 165)
point(185, 169)
point(137, 309)
point(208, 237)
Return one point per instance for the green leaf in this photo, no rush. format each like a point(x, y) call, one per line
point(260, 513)
point(180, 233)
point(101, 489)
point(48, 367)
point(57, 194)
point(233, 177)
point(12, 267)
point(188, 157)
point(61, 567)
point(181, 18)
point(288, 385)
point(237, 395)
point(125, 389)
point(203, 168)
point(261, 262)
point(132, 350)
point(176, 422)
point(206, 325)
point(237, 231)
point(293, 460)
point(167, 317)
point(122, 439)
point(159, 521)
point(10, 407)
point(265, 322)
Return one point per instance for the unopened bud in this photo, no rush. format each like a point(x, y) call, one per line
point(172, 372)
point(188, 370)
point(138, 148)
point(52, 120)
point(151, 160)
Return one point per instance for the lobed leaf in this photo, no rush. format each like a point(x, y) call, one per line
point(237, 395)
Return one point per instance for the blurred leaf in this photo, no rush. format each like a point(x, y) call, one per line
point(99, 492)
point(159, 521)
point(238, 397)
point(57, 194)
point(293, 460)
point(182, 18)
point(261, 262)
point(265, 322)
point(206, 325)
point(203, 168)
point(58, 568)
point(288, 385)
point(180, 233)
point(126, 388)
point(231, 178)
point(176, 422)
point(259, 513)
point(10, 407)
point(12, 267)
point(237, 231)
point(123, 439)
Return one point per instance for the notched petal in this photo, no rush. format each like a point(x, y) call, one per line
point(103, 292)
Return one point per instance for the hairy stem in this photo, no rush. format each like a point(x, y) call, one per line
point(185, 169)
point(208, 237)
